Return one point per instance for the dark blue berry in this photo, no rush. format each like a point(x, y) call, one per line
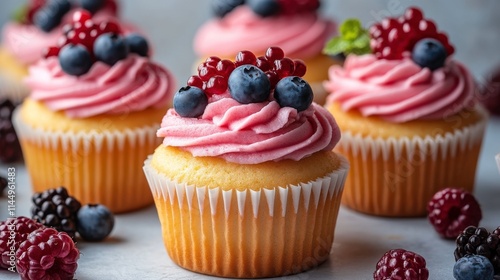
point(75, 59)
point(50, 16)
point(249, 84)
point(91, 5)
point(94, 222)
point(473, 267)
point(429, 53)
point(264, 8)
point(293, 91)
point(190, 102)
point(110, 48)
point(222, 7)
point(137, 44)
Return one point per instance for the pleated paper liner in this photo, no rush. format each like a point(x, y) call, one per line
point(96, 167)
point(398, 176)
point(248, 234)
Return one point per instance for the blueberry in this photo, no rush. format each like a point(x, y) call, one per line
point(473, 267)
point(137, 44)
point(75, 59)
point(248, 84)
point(223, 7)
point(293, 91)
point(264, 8)
point(91, 5)
point(110, 48)
point(190, 102)
point(94, 222)
point(429, 53)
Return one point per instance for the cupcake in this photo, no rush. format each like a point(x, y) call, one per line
point(410, 123)
point(91, 117)
point(246, 183)
point(295, 26)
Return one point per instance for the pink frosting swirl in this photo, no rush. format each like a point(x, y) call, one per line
point(300, 36)
point(132, 84)
point(251, 133)
point(399, 90)
point(26, 42)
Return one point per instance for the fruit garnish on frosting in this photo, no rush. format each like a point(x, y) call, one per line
point(266, 8)
point(249, 79)
point(353, 38)
point(48, 14)
point(85, 42)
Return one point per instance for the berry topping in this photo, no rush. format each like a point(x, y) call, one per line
point(222, 7)
point(274, 53)
point(401, 264)
point(110, 48)
point(137, 44)
point(22, 227)
point(245, 57)
point(264, 8)
point(190, 102)
point(429, 53)
point(47, 254)
point(55, 208)
point(392, 37)
point(450, 211)
point(293, 92)
point(11, 150)
point(249, 84)
point(478, 241)
point(94, 222)
point(91, 5)
point(75, 59)
point(472, 267)
point(50, 15)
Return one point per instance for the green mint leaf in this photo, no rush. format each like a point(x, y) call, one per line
point(353, 39)
point(351, 29)
point(335, 46)
point(20, 14)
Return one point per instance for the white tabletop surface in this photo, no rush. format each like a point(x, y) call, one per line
point(135, 249)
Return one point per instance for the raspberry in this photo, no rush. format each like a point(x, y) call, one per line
point(394, 36)
point(47, 254)
point(452, 210)
point(55, 208)
point(478, 241)
point(401, 264)
point(11, 149)
point(22, 226)
point(289, 7)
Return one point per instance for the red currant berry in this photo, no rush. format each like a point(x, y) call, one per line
point(284, 67)
point(263, 63)
point(50, 51)
point(81, 16)
point(413, 14)
point(109, 27)
point(300, 68)
point(225, 67)
point(195, 81)
point(245, 57)
point(216, 85)
point(274, 53)
point(273, 78)
point(212, 61)
point(206, 72)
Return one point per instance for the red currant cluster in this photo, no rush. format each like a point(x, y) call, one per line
point(290, 7)
point(213, 74)
point(82, 31)
point(393, 36)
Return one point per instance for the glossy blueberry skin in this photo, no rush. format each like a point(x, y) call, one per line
point(50, 16)
point(264, 8)
point(110, 48)
point(249, 84)
point(91, 5)
point(94, 222)
point(75, 59)
point(473, 267)
point(429, 53)
point(137, 44)
point(295, 92)
point(222, 7)
point(190, 102)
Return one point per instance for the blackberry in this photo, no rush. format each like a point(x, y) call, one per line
point(55, 208)
point(3, 184)
point(478, 241)
point(11, 150)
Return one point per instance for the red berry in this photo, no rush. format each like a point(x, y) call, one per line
point(450, 211)
point(206, 72)
point(51, 51)
point(212, 61)
point(225, 67)
point(195, 81)
point(216, 85)
point(67, 28)
point(22, 227)
point(109, 27)
point(274, 53)
point(263, 64)
point(33, 7)
point(284, 67)
point(245, 57)
point(290, 7)
point(401, 264)
point(300, 68)
point(47, 254)
point(274, 78)
point(81, 16)
point(112, 6)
